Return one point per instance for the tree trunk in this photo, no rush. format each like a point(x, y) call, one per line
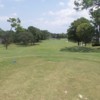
point(78, 43)
point(85, 44)
point(98, 35)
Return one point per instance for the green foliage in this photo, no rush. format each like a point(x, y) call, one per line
point(20, 29)
point(59, 36)
point(38, 34)
point(85, 32)
point(72, 31)
point(7, 38)
point(15, 22)
point(81, 49)
point(95, 15)
point(24, 38)
point(44, 34)
point(94, 6)
point(1, 32)
point(84, 4)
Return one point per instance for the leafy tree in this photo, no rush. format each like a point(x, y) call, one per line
point(38, 34)
point(71, 34)
point(15, 22)
point(7, 38)
point(96, 21)
point(1, 33)
point(19, 30)
point(72, 31)
point(44, 34)
point(94, 8)
point(25, 38)
point(85, 32)
point(84, 4)
point(35, 33)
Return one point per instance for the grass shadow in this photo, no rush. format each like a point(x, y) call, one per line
point(80, 49)
point(29, 45)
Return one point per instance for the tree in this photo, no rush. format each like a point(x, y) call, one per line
point(58, 35)
point(35, 31)
point(1, 33)
point(95, 15)
point(72, 31)
point(85, 32)
point(25, 38)
point(19, 30)
point(38, 34)
point(7, 38)
point(44, 34)
point(15, 22)
point(85, 4)
point(94, 8)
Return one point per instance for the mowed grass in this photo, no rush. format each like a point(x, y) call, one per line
point(50, 70)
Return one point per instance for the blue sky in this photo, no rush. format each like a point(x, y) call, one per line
point(52, 15)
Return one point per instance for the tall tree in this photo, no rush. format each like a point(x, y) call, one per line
point(15, 22)
point(72, 31)
point(37, 34)
point(1, 33)
point(25, 38)
point(44, 34)
point(94, 8)
point(85, 32)
point(96, 21)
point(85, 4)
point(7, 38)
point(16, 25)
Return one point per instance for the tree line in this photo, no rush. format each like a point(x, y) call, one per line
point(21, 36)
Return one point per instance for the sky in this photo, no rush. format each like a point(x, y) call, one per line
point(52, 15)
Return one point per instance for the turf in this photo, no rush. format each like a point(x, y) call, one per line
point(50, 70)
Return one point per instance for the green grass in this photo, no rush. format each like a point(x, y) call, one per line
point(50, 70)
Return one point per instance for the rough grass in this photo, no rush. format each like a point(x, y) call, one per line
point(51, 70)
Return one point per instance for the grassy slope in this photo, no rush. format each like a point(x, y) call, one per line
point(49, 71)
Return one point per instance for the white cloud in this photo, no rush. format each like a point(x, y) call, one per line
point(61, 17)
point(4, 18)
point(64, 17)
point(60, 20)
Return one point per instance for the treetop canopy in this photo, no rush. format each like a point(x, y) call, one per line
point(85, 4)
